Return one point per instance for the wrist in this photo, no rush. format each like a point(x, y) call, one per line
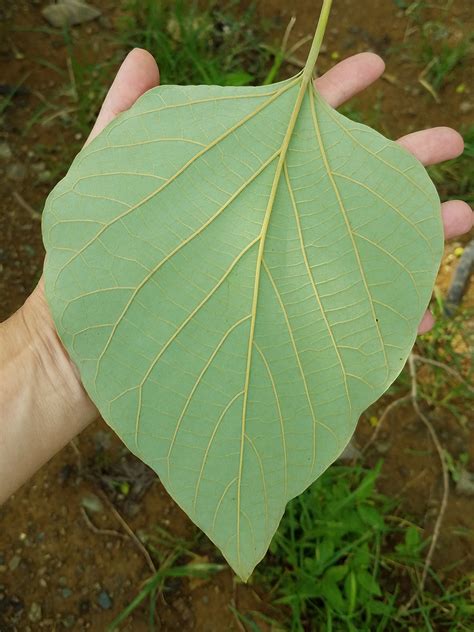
point(43, 404)
point(42, 346)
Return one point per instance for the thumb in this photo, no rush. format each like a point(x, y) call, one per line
point(137, 74)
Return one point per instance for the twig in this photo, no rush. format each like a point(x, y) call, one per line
point(383, 418)
point(445, 497)
point(446, 368)
point(94, 529)
point(24, 204)
point(130, 532)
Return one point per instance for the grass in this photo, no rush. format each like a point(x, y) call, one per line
point(440, 57)
point(437, 48)
point(455, 178)
point(451, 343)
point(341, 560)
point(214, 45)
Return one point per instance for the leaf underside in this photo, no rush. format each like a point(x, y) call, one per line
point(238, 273)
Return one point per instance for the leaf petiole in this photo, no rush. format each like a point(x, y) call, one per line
point(317, 41)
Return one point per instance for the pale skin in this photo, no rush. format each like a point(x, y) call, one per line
point(43, 404)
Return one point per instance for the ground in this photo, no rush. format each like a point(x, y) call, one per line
point(67, 558)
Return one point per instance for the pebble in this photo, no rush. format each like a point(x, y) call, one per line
point(91, 502)
point(66, 593)
point(466, 107)
point(14, 563)
point(5, 151)
point(16, 172)
point(69, 621)
point(63, 15)
point(465, 484)
point(383, 447)
point(35, 614)
point(104, 600)
point(45, 176)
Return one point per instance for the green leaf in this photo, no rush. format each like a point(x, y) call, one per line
point(238, 273)
point(332, 593)
point(367, 581)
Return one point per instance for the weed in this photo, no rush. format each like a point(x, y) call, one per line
point(192, 44)
point(339, 562)
point(449, 343)
point(325, 558)
point(443, 58)
point(455, 178)
point(152, 588)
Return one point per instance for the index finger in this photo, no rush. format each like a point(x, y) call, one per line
point(350, 77)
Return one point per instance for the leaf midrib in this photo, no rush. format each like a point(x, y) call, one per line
point(305, 81)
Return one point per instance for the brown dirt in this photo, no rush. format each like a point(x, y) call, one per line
point(46, 546)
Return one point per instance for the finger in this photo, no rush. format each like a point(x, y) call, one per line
point(427, 323)
point(137, 74)
point(348, 78)
point(435, 145)
point(458, 218)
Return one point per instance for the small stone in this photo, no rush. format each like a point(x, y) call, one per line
point(16, 172)
point(91, 502)
point(66, 593)
point(3, 568)
point(43, 583)
point(62, 581)
point(69, 621)
point(14, 563)
point(351, 453)
point(69, 12)
point(466, 107)
point(39, 167)
point(104, 600)
point(5, 151)
point(35, 614)
point(465, 484)
point(383, 447)
point(45, 176)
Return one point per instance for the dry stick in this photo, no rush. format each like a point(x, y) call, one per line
point(444, 500)
point(383, 418)
point(130, 532)
point(94, 529)
point(24, 204)
point(445, 367)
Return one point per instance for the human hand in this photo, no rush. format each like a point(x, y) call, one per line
point(61, 406)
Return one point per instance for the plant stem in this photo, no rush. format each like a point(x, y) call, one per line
point(317, 41)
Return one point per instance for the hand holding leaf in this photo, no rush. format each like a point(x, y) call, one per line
point(238, 273)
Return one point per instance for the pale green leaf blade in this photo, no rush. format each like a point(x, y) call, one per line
point(238, 273)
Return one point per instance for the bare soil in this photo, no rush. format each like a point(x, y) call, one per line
point(81, 569)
